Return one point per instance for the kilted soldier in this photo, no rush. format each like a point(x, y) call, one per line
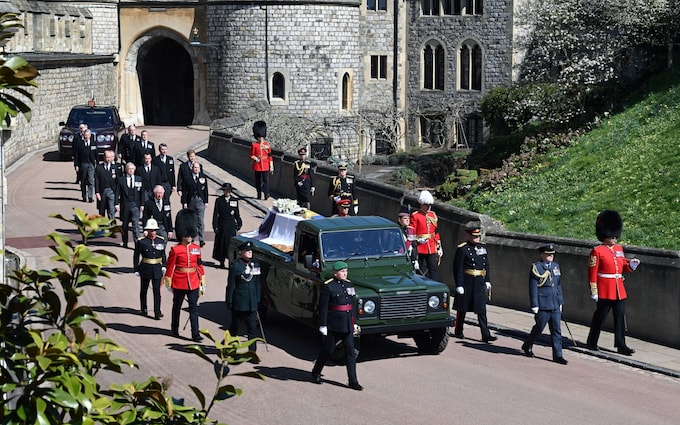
point(303, 179)
point(471, 273)
point(149, 264)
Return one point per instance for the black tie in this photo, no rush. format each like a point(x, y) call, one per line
point(148, 168)
point(130, 182)
point(158, 204)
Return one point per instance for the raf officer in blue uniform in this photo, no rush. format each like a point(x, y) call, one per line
point(337, 323)
point(545, 295)
point(151, 267)
point(471, 272)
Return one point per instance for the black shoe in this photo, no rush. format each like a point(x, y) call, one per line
point(265, 198)
point(222, 266)
point(316, 378)
point(158, 316)
point(560, 360)
point(143, 312)
point(90, 200)
point(355, 386)
point(592, 347)
point(175, 333)
point(626, 351)
point(197, 338)
point(490, 338)
point(528, 352)
point(458, 335)
point(202, 244)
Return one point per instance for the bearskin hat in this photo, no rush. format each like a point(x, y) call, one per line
point(608, 225)
point(186, 223)
point(260, 129)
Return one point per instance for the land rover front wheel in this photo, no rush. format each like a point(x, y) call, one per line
point(432, 341)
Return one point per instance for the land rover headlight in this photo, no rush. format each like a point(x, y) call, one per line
point(369, 307)
point(433, 301)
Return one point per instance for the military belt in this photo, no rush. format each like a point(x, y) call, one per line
point(473, 272)
point(610, 275)
point(186, 269)
point(152, 260)
point(424, 236)
point(346, 307)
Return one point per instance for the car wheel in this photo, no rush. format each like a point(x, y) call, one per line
point(432, 341)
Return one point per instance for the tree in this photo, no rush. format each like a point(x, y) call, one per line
point(49, 360)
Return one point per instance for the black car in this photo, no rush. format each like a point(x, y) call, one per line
point(103, 121)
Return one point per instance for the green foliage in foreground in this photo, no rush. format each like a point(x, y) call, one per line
point(629, 163)
point(50, 358)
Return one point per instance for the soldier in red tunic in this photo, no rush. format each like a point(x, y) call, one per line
point(605, 274)
point(424, 222)
point(260, 154)
point(185, 273)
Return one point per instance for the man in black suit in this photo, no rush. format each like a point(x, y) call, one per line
point(166, 164)
point(195, 192)
point(129, 201)
point(79, 136)
point(106, 177)
point(151, 176)
point(84, 161)
point(184, 173)
point(158, 208)
point(129, 143)
point(145, 146)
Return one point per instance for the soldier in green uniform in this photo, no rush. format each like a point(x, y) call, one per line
point(244, 291)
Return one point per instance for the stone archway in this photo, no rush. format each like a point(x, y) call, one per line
point(166, 82)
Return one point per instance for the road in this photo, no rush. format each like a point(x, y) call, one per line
point(469, 383)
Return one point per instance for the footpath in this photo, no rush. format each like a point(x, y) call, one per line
point(506, 322)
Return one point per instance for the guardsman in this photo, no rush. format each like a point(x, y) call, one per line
point(303, 177)
point(260, 154)
point(342, 186)
point(425, 223)
point(337, 322)
point(149, 264)
point(244, 291)
point(185, 273)
point(473, 283)
point(545, 296)
point(605, 275)
point(166, 164)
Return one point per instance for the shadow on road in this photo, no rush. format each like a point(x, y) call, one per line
point(53, 156)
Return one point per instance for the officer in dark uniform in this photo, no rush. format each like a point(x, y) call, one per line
point(159, 209)
point(471, 272)
point(342, 186)
point(337, 323)
point(166, 164)
point(545, 295)
point(244, 291)
point(149, 264)
point(303, 177)
point(106, 177)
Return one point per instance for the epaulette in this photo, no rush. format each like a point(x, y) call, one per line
point(462, 244)
point(328, 281)
point(160, 237)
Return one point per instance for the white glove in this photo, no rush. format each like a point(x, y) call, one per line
point(460, 290)
point(534, 310)
point(440, 251)
point(137, 274)
point(164, 269)
point(634, 263)
point(356, 210)
point(594, 297)
point(416, 266)
point(357, 329)
point(422, 241)
point(336, 198)
point(560, 308)
point(488, 285)
point(312, 190)
point(201, 290)
point(323, 330)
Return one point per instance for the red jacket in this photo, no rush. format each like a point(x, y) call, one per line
point(185, 267)
point(425, 226)
point(262, 151)
point(605, 272)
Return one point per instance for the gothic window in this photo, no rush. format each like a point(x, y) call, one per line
point(375, 5)
point(278, 85)
point(462, 7)
point(470, 66)
point(346, 101)
point(430, 7)
point(378, 67)
point(433, 66)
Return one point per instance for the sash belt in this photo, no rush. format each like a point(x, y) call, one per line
point(473, 272)
point(346, 307)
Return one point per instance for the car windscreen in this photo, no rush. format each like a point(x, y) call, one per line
point(94, 118)
point(347, 244)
